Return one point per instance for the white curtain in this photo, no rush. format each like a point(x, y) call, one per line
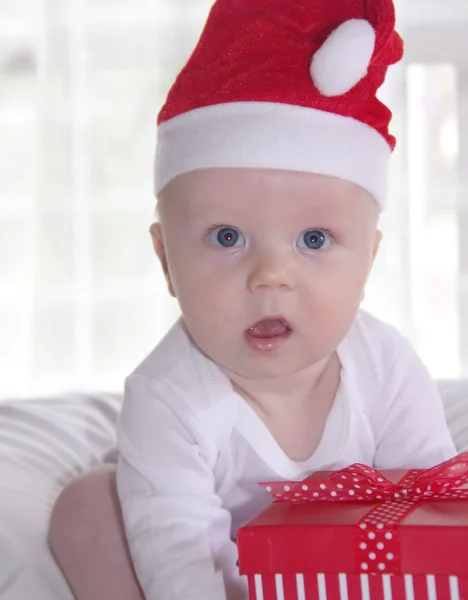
point(81, 81)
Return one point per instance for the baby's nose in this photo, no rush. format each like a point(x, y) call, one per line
point(271, 270)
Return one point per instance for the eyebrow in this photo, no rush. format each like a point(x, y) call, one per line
point(208, 210)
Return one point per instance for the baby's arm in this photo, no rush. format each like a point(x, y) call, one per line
point(177, 530)
point(411, 429)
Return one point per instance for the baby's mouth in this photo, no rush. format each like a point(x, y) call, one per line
point(270, 327)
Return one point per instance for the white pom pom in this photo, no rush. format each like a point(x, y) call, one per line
point(344, 58)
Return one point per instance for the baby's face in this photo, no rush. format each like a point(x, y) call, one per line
point(269, 266)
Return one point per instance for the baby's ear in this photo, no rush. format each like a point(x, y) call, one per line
point(160, 250)
point(377, 241)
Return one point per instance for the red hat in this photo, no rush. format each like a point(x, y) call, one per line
point(285, 84)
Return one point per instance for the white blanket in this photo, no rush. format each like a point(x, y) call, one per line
point(44, 443)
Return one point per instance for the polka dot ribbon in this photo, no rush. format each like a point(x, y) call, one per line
point(359, 483)
point(377, 541)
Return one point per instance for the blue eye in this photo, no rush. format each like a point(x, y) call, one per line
point(315, 239)
point(226, 237)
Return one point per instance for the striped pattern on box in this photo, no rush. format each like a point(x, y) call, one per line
point(357, 587)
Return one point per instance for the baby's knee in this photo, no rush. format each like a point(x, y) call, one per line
point(84, 508)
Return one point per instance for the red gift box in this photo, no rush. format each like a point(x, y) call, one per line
point(358, 534)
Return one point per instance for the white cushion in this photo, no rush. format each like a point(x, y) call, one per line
point(44, 443)
point(455, 397)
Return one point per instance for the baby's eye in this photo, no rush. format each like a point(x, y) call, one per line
point(315, 239)
point(226, 237)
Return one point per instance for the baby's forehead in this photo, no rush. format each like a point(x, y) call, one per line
point(254, 192)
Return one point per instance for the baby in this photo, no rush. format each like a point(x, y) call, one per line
point(271, 169)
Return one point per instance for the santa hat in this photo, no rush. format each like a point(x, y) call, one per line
point(285, 84)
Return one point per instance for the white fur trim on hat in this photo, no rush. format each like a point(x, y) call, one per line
point(344, 58)
point(275, 136)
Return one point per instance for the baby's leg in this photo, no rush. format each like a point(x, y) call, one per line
point(88, 541)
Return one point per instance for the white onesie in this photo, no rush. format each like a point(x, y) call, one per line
point(192, 451)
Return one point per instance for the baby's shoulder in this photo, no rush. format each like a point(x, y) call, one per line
point(172, 356)
point(372, 349)
point(375, 334)
point(177, 374)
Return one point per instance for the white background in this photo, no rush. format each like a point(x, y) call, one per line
point(81, 81)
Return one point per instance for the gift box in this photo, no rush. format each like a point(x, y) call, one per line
point(361, 534)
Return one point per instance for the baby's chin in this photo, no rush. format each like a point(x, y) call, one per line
point(237, 364)
point(265, 370)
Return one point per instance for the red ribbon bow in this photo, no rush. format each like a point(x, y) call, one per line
point(359, 483)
